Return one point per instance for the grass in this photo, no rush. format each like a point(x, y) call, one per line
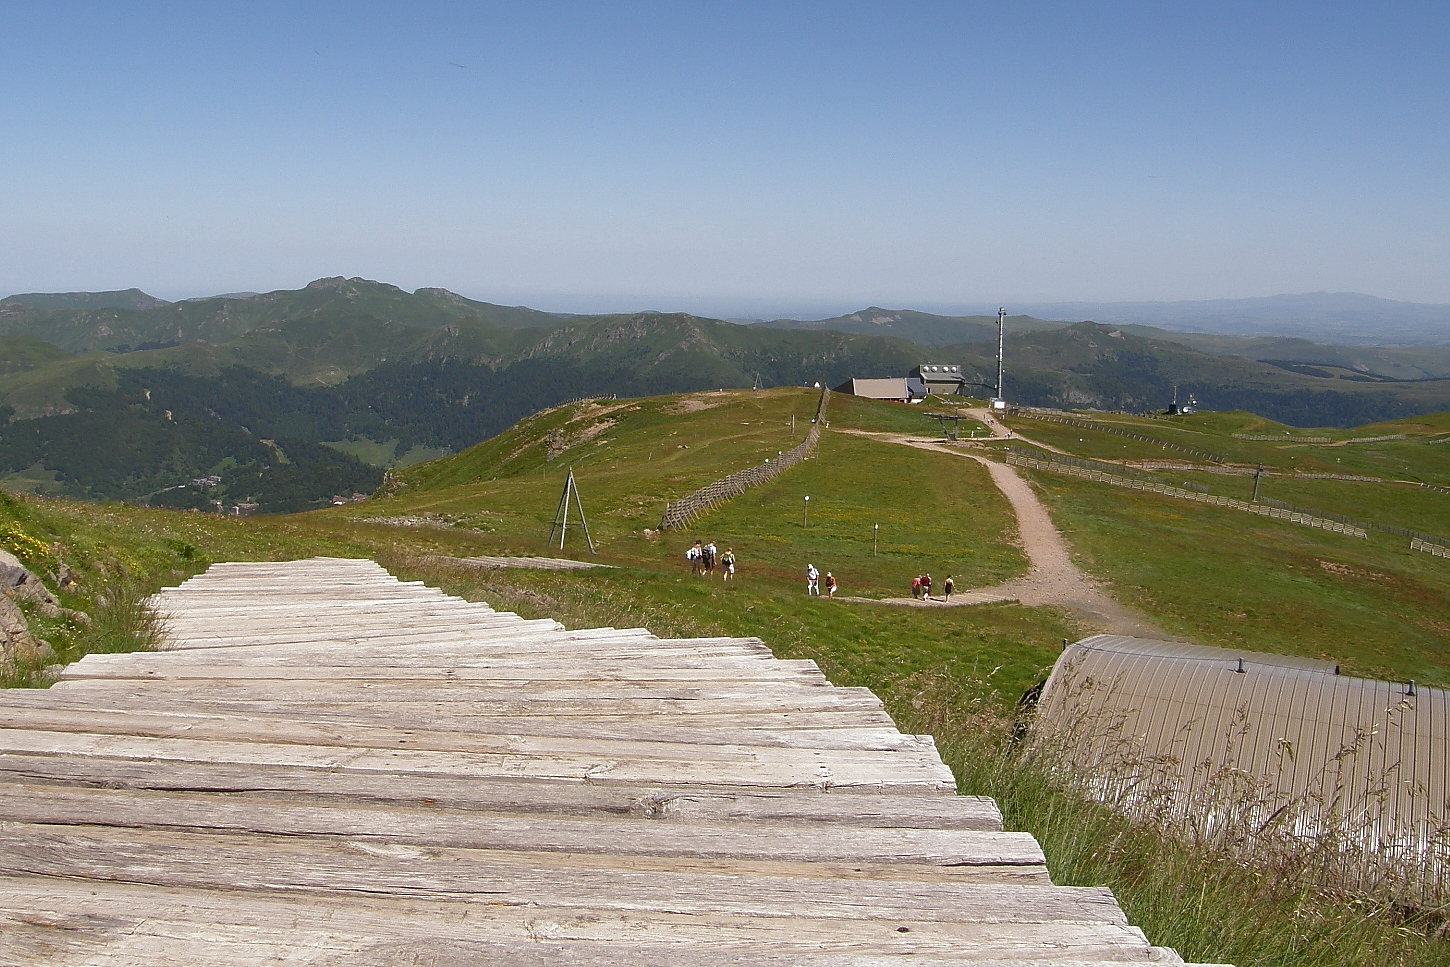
point(1227, 578)
point(1208, 905)
point(1219, 576)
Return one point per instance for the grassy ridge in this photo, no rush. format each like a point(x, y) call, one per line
point(1216, 575)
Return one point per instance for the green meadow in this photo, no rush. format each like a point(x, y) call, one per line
point(880, 513)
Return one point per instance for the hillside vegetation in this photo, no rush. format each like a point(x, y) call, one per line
point(1210, 573)
point(295, 398)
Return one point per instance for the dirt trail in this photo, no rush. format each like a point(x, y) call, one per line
point(1053, 578)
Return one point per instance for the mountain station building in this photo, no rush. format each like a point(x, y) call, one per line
point(904, 390)
point(944, 379)
point(941, 378)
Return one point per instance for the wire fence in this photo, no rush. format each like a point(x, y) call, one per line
point(1119, 431)
point(679, 513)
point(1262, 509)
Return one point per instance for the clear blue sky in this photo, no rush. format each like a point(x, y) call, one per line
point(732, 159)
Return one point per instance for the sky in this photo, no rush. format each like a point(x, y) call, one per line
point(734, 159)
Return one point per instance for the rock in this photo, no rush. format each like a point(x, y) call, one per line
point(65, 578)
point(18, 647)
point(20, 584)
point(12, 572)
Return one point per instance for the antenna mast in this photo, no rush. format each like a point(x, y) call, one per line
point(1001, 329)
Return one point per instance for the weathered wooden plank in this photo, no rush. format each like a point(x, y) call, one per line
point(130, 922)
point(528, 715)
point(474, 750)
point(641, 763)
point(431, 733)
point(22, 794)
point(799, 711)
point(562, 649)
point(721, 694)
point(431, 671)
point(312, 864)
point(434, 825)
point(546, 798)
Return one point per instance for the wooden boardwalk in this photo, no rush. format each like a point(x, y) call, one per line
point(332, 767)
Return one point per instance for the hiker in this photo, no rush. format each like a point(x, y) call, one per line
point(693, 555)
point(947, 587)
point(916, 587)
point(830, 585)
point(707, 559)
point(926, 587)
point(727, 564)
point(813, 580)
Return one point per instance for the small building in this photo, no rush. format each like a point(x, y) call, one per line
point(909, 389)
point(944, 379)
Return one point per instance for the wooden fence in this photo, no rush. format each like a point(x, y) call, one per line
point(1135, 483)
point(679, 513)
point(1281, 438)
point(1439, 550)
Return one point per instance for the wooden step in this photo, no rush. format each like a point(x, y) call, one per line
point(333, 767)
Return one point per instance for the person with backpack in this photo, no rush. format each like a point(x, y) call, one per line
point(693, 555)
point(707, 559)
point(926, 587)
point(727, 564)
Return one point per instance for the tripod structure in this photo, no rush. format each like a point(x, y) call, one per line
point(561, 516)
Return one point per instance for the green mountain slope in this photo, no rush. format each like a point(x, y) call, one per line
point(378, 373)
point(1372, 363)
point(1094, 366)
point(223, 319)
point(367, 386)
point(116, 299)
point(918, 327)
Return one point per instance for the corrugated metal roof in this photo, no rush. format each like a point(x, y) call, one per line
point(1154, 724)
point(893, 388)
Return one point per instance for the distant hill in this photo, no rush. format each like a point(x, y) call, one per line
point(100, 326)
point(345, 376)
point(1094, 366)
point(923, 328)
point(1372, 363)
point(1346, 318)
point(118, 299)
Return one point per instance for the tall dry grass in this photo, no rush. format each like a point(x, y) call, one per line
point(1232, 889)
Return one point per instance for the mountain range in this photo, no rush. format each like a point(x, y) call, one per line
point(1348, 318)
point(294, 396)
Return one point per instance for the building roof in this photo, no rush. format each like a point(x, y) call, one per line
point(1287, 733)
point(892, 388)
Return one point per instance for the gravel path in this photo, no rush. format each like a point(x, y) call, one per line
point(1053, 579)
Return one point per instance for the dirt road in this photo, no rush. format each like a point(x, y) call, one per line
point(1053, 579)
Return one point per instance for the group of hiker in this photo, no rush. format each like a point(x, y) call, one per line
point(921, 588)
point(813, 582)
point(704, 558)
